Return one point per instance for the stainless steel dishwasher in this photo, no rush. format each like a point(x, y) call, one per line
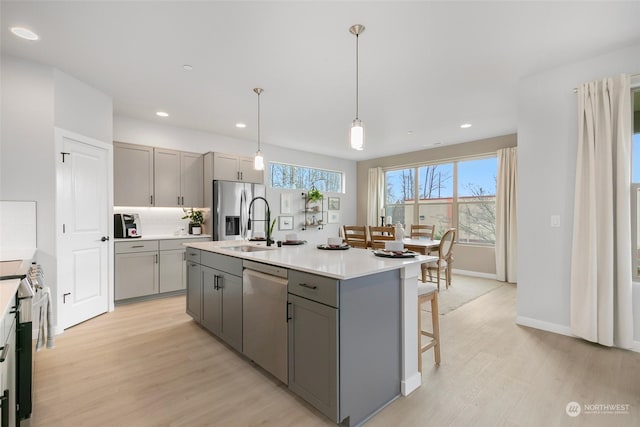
point(264, 317)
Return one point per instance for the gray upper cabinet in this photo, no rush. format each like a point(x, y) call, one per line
point(132, 175)
point(147, 176)
point(178, 178)
point(191, 179)
point(231, 167)
point(166, 177)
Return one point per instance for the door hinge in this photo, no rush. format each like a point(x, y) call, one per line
point(64, 154)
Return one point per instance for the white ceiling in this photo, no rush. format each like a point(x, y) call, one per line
point(425, 67)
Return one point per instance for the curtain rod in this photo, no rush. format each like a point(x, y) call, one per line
point(632, 76)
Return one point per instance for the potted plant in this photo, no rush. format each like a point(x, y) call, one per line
point(314, 195)
point(196, 219)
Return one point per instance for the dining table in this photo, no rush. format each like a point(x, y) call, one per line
point(422, 246)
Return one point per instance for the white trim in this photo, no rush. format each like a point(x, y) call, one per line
point(636, 346)
point(544, 326)
point(59, 135)
point(474, 274)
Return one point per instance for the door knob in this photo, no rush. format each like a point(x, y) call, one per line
point(104, 238)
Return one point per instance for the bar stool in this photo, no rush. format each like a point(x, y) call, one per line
point(428, 292)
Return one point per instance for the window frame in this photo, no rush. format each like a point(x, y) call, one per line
point(454, 204)
point(309, 168)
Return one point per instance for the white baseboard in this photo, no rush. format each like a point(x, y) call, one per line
point(474, 274)
point(544, 326)
point(410, 384)
point(558, 329)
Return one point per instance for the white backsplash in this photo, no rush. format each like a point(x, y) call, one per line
point(158, 221)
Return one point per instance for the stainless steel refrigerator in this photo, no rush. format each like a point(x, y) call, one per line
point(230, 210)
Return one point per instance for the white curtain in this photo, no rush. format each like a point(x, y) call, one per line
point(506, 216)
point(375, 195)
point(601, 309)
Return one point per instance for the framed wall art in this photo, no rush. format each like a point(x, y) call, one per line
point(285, 222)
point(333, 203)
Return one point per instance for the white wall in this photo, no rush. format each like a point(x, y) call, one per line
point(82, 109)
point(161, 135)
point(547, 143)
point(35, 99)
point(27, 169)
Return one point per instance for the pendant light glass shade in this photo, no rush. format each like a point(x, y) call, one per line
point(356, 135)
point(258, 160)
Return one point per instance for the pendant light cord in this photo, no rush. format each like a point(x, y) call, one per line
point(258, 122)
point(357, 73)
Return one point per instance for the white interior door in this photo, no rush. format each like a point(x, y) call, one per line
point(84, 209)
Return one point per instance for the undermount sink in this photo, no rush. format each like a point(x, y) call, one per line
point(247, 248)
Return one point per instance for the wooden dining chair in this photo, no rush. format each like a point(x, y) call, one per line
point(422, 231)
point(445, 258)
point(379, 235)
point(356, 236)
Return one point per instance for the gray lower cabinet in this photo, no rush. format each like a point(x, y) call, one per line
point(136, 267)
point(313, 354)
point(150, 267)
point(214, 294)
point(345, 343)
point(194, 286)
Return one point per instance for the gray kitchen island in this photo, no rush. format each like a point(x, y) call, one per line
point(339, 327)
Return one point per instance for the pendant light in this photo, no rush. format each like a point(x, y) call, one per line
point(356, 135)
point(258, 160)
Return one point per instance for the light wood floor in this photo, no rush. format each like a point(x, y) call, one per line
point(148, 364)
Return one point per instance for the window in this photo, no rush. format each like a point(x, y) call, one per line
point(293, 177)
point(460, 194)
point(435, 203)
point(477, 201)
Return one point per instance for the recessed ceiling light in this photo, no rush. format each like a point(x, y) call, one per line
point(409, 132)
point(465, 126)
point(241, 125)
point(187, 67)
point(25, 33)
point(162, 114)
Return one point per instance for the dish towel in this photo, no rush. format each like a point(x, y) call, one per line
point(45, 320)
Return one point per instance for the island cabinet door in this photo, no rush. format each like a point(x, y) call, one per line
point(211, 300)
point(231, 325)
point(313, 354)
point(194, 290)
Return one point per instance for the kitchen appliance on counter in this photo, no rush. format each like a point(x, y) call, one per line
point(230, 210)
point(126, 225)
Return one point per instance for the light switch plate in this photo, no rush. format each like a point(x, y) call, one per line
point(555, 220)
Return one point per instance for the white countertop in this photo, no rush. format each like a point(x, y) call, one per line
point(8, 288)
point(163, 237)
point(337, 264)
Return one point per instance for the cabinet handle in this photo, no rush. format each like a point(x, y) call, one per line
point(182, 200)
point(238, 175)
point(156, 257)
point(151, 199)
point(184, 256)
point(193, 254)
point(193, 265)
point(178, 203)
point(5, 350)
point(241, 176)
point(287, 312)
point(137, 246)
point(304, 285)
